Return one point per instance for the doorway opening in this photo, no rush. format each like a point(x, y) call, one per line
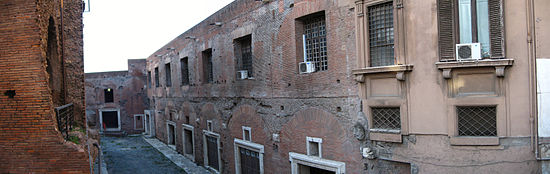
point(188, 141)
point(171, 134)
point(109, 119)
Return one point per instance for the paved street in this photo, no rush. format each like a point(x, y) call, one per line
point(134, 155)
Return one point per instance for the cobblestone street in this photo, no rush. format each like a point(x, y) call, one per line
point(134, 155)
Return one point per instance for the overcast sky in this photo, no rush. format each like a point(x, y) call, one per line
point(118, 30)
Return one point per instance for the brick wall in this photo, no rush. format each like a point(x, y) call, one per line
point(129, 93)
point(29, 140)
point(277, 94)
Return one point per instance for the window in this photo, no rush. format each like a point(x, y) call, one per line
point(184, 66)
point(109, 96)
point(314, 146)
point(211, 146)
point(188, 141)
point(476, 120)
point(171, 134)
point(209, 125)
point(381, 37)
point(314, 40)
point(246, 133)
point(243, 52)
point(157, 77)
point(471, 21)
point(386, 118)
point(148, 79)
point(208, 76)
point(168, 72)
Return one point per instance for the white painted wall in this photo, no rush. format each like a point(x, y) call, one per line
point(543, 96)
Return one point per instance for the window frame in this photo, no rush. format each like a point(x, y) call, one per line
point(449, 31)
point(238, 143)
point(238, 46)
point(188, 127)
point(398, 28)
point(184, 68)
point(206, 133)
point(319, 141)
point(207, 66)
point(157, 77)
point(168, 74)
point(249, 137)
point(300, 24)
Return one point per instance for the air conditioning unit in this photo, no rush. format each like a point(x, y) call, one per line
point(243, 74)
point(469, 51)
point(307, 67)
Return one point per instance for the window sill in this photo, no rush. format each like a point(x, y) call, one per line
point(399, 69)
point(474, 141)
point(498, 64)
point(387, 136)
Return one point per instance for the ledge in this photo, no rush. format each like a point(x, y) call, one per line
point(474, 141)
point(400, 69)
point(386, 136)
point(498, 64)
point(382, 69)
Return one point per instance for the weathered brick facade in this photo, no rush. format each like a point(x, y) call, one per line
point(42, 66)
point(278, 101)
point(129, 91)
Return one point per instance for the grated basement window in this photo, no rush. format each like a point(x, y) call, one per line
point(386, 118)
point(381, 34)
point(477, 120)
point(316, 42)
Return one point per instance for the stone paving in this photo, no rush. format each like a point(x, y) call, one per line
point(186, 164)
point(133, 155)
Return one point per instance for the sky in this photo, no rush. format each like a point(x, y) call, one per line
point(118, 30)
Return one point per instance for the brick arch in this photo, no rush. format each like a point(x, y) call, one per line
point(186, 109)
point(338, 142)
point(246, 115)
point(208, 112)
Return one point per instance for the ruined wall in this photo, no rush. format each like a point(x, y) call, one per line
point(129, 94)
point(29, 140)
point(277, 93)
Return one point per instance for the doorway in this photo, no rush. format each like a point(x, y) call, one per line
point(109, 119)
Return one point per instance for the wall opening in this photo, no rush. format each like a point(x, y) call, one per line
point(109, 95)
point(171, 134)
point(109, 119)
point(212, 151)
point(138, 122)
point(188, 141)
point(54, 66)
point(312, 170)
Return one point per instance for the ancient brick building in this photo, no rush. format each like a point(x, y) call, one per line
point(385, 91)
point(208, 109)
point(41, 69)
point(115, 100)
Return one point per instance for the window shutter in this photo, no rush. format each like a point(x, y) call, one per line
point(496, 29)
point(446, 34)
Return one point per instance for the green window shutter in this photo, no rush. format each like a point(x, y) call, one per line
point(496, 28)
point(446, 30)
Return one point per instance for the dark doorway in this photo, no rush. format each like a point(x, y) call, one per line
point(171, 135)
point(303, 169)
point(212, 147)
point(110, 119)
point(188, 141)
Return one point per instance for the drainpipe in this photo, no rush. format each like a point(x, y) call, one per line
point(533, 110)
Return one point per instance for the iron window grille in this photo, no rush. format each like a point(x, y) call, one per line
point(184, 63)
point(250, 161)
point(316, 42)
point(386, 118)
point(381, 37)
point(477, 120)
point(245, 49)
